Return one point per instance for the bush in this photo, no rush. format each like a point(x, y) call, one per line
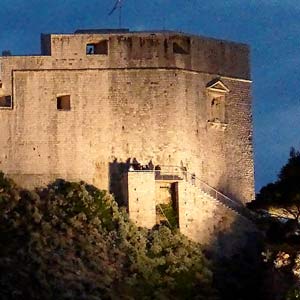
point(72, 241)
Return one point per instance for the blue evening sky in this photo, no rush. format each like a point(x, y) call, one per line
point(270, 27)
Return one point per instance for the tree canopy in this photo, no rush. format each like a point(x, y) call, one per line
point(72, 241)
point(282, 198)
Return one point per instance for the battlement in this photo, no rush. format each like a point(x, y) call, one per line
point(164, 49)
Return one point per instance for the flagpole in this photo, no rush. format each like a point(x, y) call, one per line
point(117, 5)
point(120, 15)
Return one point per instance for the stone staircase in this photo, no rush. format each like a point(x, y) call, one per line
point(176, 173)
point(230, 204)
point(222, 225)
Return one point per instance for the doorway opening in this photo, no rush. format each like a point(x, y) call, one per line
point(167, 204)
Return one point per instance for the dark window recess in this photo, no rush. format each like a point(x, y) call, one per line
point(166, 46)
point(63, 102)
point(5, 101)
point(179, 49)
point(182, 45)
point(90, 49)
point(218, 109)
point(97, 48)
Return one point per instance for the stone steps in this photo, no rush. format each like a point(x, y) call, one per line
point(241, 210)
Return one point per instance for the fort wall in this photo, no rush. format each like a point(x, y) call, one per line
point(141, 195)
point(155, 49)
point(216, 226)
point(201, 217)
point(140, 100)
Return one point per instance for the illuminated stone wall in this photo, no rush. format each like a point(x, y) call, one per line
point(142, 100)
point(201, 218)
point(204, 219)
point(141, 198)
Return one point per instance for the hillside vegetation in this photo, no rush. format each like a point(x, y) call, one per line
point(72, 241)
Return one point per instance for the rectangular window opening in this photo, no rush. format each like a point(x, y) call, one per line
point(182, 45)
point(5, 102)
point(97, 48)
point(63, 102)
point(167, 211)
point(90, 49)
point(179, 49)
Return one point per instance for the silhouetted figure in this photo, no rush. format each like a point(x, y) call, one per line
point(135, 164)
point(151, 165)
point(184, 172)
point(193, 178)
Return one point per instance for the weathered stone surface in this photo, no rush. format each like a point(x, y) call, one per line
point(141, 198)
point(141, 101)
point(204, 219)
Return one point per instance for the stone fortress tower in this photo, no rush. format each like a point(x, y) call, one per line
point(95, 100)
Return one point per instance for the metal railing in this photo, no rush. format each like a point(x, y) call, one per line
point(180, 173)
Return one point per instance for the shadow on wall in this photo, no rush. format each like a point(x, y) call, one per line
point(224, 186)
point(116, 172)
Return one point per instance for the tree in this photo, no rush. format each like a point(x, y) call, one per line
point(72, 241)
point(282, 198)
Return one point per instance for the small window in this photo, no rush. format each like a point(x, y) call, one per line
point(217, 109)
point(5, 101)
point(63, 102)
point(97, 48)
point(90, 49)
point(216, 96)
point(178, 49)
point(181, 45)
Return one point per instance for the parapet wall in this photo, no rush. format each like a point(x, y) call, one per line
point(142, 50)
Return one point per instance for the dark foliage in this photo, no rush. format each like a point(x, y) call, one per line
point(284, 194)
point(279, 206)
point(71, 241)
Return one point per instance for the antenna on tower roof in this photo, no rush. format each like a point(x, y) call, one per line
point(118, 5)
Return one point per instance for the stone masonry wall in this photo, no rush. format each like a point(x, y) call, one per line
point(141, 196)
point(201, 218)
point(215, 226)
point(144, 49)
point(131, 103)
